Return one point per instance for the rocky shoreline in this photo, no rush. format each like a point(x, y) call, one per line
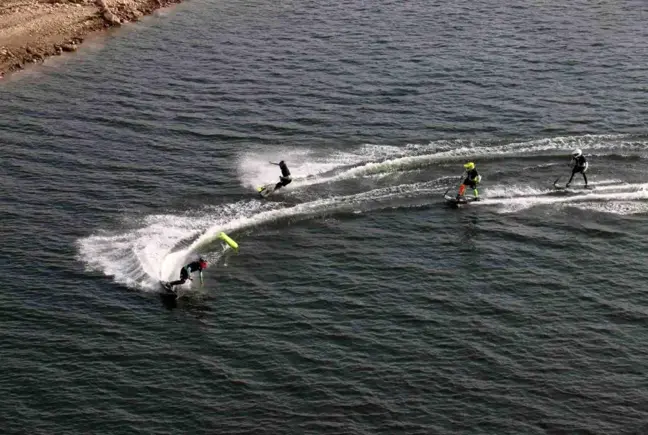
point(33, 30)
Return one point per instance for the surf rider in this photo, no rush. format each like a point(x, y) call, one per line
point(579, 164)
point(185, 273)
point(472, 179)
point(285, 177)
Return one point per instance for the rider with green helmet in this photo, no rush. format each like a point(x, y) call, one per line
point(472, 179)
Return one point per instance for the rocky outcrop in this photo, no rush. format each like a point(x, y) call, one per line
point(32, 30)
point(116, 12)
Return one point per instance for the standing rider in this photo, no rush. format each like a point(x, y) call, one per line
point(579, 164)
point(472, 179)
point(285, 177)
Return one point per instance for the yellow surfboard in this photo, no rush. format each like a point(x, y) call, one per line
point(265, 191)
point(227, 239)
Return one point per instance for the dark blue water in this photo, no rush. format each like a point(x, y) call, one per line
point(359, 302)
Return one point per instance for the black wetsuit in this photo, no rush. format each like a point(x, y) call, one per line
point(185, 272)
point(285, 177)
point(470, 178)
point(580, 165)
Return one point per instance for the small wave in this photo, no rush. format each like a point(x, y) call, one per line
point(516, 191)
point(513, 198)
point(622, 208)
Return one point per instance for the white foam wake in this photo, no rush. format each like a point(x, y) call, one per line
point(516, 198)
point(313, 208)
point(137, 257)
point(140, 257)
point(622, 208)
point(309, 168)
point(155, 250)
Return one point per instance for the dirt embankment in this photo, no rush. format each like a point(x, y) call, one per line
point(32, 30)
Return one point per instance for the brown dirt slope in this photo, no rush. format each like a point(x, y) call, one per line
point(31, 30)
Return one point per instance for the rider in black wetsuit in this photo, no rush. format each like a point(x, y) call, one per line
point(185, 272)
point(285, 177)
point(579, 165)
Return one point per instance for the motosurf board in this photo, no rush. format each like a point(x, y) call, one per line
point(563, 188)
point(456, 202)
point(266, 190)
point(167, 290)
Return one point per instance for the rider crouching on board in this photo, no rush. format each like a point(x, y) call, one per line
point(579, 164)
point(285, 177)
point(185, 273)
point(472, 179)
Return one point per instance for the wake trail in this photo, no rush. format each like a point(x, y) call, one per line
point(370, 160)
point(140, 257)
point(352, 203)
point(134, 257)
point(513, 198)
point(157, 247)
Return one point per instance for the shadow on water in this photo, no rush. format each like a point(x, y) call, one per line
point(193, 305)
point(169, 300)
point(469, 231)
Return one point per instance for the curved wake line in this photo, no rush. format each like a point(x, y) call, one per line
point(306, 165)
point(333, 204)
point(135, 257)
point(421, 156)
point(141, 257)
point(412, 162)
